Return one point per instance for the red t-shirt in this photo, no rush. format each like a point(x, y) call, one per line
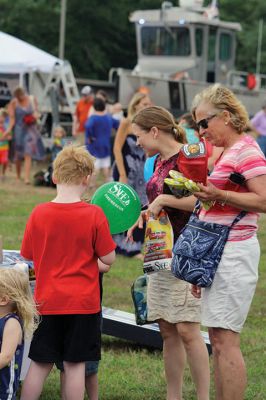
point(64, 241)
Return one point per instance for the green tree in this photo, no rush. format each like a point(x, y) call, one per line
point(34, 21)
point(99, 35)
point(248, 13)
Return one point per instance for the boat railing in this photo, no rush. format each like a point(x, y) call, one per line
point(246, 80)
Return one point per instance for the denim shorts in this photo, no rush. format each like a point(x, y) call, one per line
point(91, 367)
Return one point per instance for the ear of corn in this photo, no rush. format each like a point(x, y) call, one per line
point(183, 187)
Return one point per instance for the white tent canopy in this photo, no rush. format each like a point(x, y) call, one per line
point(17, 56)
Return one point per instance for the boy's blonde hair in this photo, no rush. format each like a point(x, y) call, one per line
point(15, 285)
point(72, 165)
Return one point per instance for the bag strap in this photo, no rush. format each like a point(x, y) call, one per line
point(196, 208)
point(238, 218)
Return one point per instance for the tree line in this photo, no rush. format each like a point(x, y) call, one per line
point(99, 35)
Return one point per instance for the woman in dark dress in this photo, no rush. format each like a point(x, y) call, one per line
point(128, 168)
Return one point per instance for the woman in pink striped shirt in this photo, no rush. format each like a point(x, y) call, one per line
point(238, 182)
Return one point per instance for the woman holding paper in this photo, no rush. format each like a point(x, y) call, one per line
point(170, 302)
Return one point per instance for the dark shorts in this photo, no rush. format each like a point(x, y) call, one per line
point(73, 338)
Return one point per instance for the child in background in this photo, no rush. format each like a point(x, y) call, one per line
point(58, 143)
point(4, 145)
point(98, 138)
point(65, 238)
point(17, 316)
point(10, 139)
point(190, 127)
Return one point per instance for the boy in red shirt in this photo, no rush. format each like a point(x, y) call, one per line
point(65, 238)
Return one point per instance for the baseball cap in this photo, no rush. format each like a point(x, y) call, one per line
point(86, 90)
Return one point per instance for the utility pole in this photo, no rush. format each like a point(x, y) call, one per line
point(62, 29)
point(260, 34)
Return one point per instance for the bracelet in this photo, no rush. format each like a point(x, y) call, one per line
point(223, 203)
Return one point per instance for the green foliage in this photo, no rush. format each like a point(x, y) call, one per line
point(248, 13)
point(35, 21)
point(99, 35)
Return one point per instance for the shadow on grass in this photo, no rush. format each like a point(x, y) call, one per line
point(118, 345)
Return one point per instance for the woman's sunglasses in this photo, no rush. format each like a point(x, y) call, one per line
point(204, 123)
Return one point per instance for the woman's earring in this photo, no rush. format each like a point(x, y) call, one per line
point(226, 123)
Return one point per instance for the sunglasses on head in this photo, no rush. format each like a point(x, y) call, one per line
point(204, 123)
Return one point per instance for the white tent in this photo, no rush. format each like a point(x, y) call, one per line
point(18, 56)
point(40, 73)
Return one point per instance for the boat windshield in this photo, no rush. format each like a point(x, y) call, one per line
point(165, 41)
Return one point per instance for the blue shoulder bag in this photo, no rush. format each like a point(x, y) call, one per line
point(199, 248)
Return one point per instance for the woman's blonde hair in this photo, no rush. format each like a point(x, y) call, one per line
point(72, 165)
point(134, 102)
point(14, 284)
point(162, 119)
point(223, 99)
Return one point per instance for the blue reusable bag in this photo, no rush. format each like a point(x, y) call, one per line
point(139, 297)
point(198, 250)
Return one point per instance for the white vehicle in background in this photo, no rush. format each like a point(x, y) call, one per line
point(180, 51)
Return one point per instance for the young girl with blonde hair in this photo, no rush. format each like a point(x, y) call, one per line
point(17, 318)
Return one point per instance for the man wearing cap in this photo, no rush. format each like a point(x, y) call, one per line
point(81, 114)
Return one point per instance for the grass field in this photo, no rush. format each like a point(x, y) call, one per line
point(127, 371)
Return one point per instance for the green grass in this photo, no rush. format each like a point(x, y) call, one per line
point(127, 371)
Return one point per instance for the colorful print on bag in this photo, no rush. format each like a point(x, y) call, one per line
point(158, 243)
point(139, 297)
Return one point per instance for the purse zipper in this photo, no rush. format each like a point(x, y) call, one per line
point(204, 230)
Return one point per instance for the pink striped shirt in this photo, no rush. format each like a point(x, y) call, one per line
point(246, 158)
